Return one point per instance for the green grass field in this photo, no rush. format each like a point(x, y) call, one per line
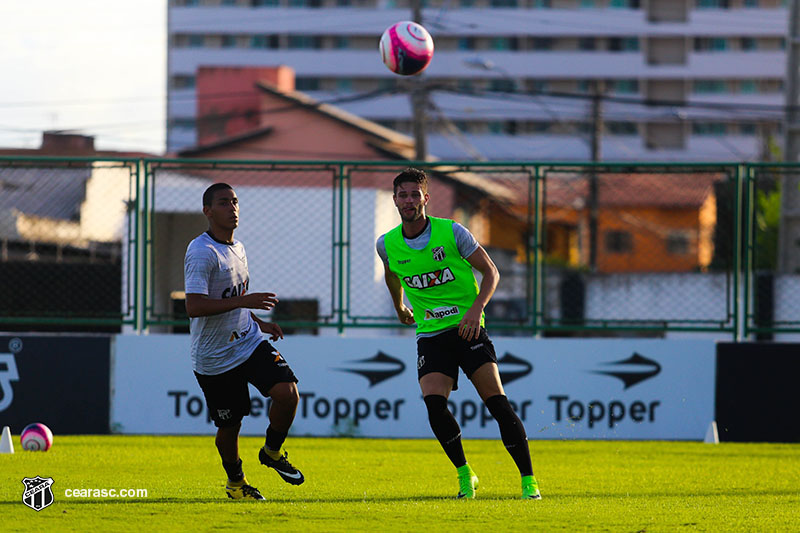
point(408, 485)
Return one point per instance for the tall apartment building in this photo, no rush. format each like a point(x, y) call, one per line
point(673, 80)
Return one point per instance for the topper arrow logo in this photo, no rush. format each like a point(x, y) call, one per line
point(632, 370)
point(513, 368)
point(377, 368)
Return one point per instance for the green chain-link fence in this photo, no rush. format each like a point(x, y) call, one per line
point(772, 224)
point(649, 247)
point(67, 240)
point(644, 248)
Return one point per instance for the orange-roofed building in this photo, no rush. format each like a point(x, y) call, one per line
point(645, 222)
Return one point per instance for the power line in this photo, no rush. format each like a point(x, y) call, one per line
point(226, 116)
point(646, 102)
point(530, 96)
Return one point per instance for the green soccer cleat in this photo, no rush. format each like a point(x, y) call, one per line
point(467, 482)
point(242, 491)
point(530, 488)
point(282, 466)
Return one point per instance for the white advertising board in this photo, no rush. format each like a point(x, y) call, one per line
point(560, 388)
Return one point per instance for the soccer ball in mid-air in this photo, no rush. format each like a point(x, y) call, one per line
point(36, 437)
point(406, 48)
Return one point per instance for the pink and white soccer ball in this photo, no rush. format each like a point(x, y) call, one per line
point(36, 437)
point(406, 48)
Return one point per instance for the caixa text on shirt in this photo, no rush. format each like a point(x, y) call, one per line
point(430, 279)
point(237, 290)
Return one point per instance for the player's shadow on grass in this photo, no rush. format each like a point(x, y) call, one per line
point(172, 501)
point(679, 494)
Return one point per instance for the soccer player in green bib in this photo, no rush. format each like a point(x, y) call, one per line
point(431, 260)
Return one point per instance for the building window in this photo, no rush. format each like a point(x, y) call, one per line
point(228, 41)
point(387, 84)
point(623, 86)
point(747, 129)
point(502, 85)
point(228, 2)
point(586, 43)
point(305, 42)
point(183, 82)
point(618, 242)
point(503, 43)
point(305, 3)
point(621, 128)
point(466, 43)
point(539, 86)
point(587, 3)
point(630, 44)
point(709, 128)
point(184, 123)
point(265, 3)
point(725, 4)
point(677, 243)
point(542, 3)
point(710, 44)
point(264, 41)
point(306, 84)
point(748, 86)
point(748, 44)
point(718, 44)
point(503, 3)
point(344, 84)
point(196, 41)
point(710, 86)
point(542, 43)
point(340, 42)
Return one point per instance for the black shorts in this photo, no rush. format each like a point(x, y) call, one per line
point(446, 352)
point(227, 394)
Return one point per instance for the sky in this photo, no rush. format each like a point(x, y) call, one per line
point(96, 67)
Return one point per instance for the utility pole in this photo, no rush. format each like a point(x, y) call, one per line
point(789, 229)
point(419, 99)
point(597, 132)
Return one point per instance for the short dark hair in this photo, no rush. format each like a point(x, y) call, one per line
point(412, 175)
point(208, 196)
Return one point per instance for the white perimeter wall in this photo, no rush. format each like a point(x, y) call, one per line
point(575, 389)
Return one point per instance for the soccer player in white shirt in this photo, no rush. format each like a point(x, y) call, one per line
point(228, 350)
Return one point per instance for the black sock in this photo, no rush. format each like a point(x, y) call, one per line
point(234, 470)
point(446, 429)
point(512, 432)
point(275, 439)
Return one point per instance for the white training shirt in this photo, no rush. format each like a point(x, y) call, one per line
point(219, 270)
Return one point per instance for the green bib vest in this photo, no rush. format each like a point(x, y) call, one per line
point(439, 282)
